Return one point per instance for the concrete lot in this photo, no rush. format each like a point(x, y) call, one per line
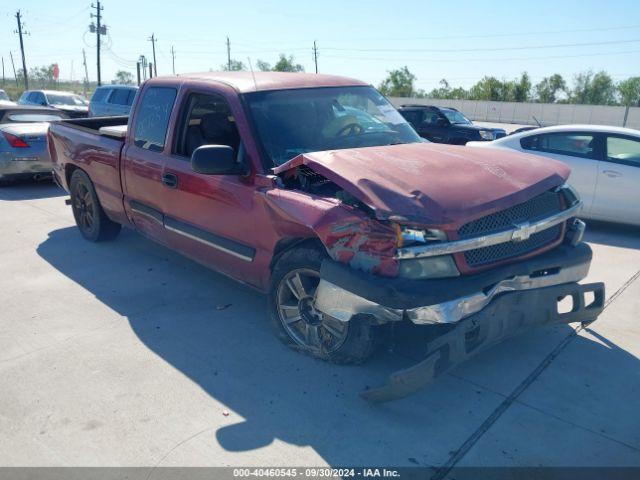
point(128, 354)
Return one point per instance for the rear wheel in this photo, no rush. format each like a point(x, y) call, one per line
point(299, 325)
point(90, 218)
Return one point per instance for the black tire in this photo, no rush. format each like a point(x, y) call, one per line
point(354, 346)
point(90, 218)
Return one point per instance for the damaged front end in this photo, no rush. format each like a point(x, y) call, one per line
point(488, 277)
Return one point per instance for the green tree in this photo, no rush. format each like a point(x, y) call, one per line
point(284, 64)
point(629, 91)
point(442, 91)
point(489, 88)
point(236, 66)
point(123, 78)
point(263, 66)
point(549, 87)
point(521, 89)
point(399, 83)
point(593, 89)
point(287, 64)
point(42, 76)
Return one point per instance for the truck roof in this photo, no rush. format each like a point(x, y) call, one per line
point(260, 81)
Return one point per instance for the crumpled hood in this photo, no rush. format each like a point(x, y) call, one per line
point(434, 184)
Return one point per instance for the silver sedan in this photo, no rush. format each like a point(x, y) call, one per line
point(23, 146)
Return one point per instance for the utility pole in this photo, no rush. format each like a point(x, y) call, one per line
point(143, 66)
point(153, 41)
point(3, 71)
point(173, 60)
point(24, 63)
point(86, 72)
point(100, 30)
point(151, 66)
point(138, 72)
point(228, 55)
point(315, 55)
point(13, 65)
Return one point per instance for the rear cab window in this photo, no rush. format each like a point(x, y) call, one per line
point(152, 118)
point(576, 144)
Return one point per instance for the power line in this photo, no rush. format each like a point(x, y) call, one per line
point(450, 60)
point(484, 49)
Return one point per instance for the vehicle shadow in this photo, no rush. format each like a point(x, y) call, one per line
point(217, 333)
point(30, 190)
point(613, 234)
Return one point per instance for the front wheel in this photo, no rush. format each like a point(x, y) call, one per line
point(90, 218)
point(300, 326)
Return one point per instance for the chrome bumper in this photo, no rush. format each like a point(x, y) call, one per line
point(343, 304)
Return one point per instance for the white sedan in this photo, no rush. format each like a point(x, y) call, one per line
point(604, 161)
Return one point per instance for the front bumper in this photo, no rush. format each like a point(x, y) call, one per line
point(505, 317)
point(482, 309)
point(344, 292)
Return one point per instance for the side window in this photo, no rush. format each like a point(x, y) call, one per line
point(152, 119)
point(120, 96)
point(572, 144)
point(623, 150)
point(100, 94)
point(430, 117)
point(412, 116)
point(132, 96)
point(208, 121)
point(39, 98)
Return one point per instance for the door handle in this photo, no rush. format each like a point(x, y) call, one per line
point(170, 180)
point(612, 173)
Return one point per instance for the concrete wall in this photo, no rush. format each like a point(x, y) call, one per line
point(546, 113)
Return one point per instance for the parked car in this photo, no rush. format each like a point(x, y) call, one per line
point(74, 106)
point(267, 179)
point(446, 125)
point(4, 99)
point(604, 161)
point(23, 142)
point(112, 100)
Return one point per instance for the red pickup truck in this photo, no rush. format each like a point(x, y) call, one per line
point(316, 191)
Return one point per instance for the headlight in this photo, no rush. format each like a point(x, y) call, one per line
point(409, 236)
point(486, 134)
point(429, 267)
point(570, 194)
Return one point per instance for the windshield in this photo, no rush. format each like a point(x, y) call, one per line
point(456, 117)
point(72, 100)
point(292, 122)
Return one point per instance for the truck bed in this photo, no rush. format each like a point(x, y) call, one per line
point(80, 144)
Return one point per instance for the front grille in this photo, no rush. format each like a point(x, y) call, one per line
point(545, 205)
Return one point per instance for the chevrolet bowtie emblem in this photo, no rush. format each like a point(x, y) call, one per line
point(522, 231)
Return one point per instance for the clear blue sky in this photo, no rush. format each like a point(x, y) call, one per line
point(362, 39)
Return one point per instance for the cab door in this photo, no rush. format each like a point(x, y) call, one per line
point(212, 218)
point(143, 161)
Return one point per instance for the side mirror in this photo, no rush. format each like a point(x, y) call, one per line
point(216, 160)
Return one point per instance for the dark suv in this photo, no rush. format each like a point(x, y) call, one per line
point(446, 125)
